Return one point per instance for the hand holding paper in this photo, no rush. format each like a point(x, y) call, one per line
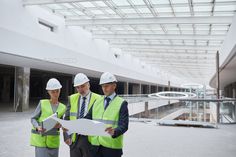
point(58, 125)
point(40, 129)
point(110, 131)
point(49, 123)
point(84, 127)
point(80, 126)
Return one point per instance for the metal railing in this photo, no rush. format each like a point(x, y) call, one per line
point(193, 109)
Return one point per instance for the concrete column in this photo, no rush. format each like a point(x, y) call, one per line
point(149, 89)
point(168, 85)
point(191, 106)
point(156, 88)
point(234, 96)
point(204, 112)
point(204, 105)
point(126, 87)
point(6, 88)
point(136, 88)
point(234, 112)
point(146, 111)
point(140, 88)
point(197, 104)
point(21, 91)
point(234, 92)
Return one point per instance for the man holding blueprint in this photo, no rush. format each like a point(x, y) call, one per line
point(78, 106)
point(113, 111)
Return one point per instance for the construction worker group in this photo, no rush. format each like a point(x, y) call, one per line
point(108, 108)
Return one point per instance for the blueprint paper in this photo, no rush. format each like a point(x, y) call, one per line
point(49, 123)
point(83, 126)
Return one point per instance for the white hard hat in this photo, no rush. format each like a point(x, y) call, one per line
point(107, 78)
point(80, 79)
point(53, 84)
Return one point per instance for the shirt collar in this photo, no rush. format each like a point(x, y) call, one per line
point(87, 96)
point(112, 96)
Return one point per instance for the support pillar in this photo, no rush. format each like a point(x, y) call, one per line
point(149, 89)
point(140, 89)
point(218, 86)
point(168, 90)
point(168, 85)
point(204, 103)
point(126, 88)
point(21, 90)
point(234, 96)
point(146, 111)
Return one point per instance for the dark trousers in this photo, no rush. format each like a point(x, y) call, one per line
point(100, 151)
point(81, 147)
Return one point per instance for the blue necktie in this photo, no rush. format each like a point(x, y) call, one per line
point(107, 102)
point(81, 115)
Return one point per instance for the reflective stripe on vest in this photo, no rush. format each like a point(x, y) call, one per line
point(51, 139)
point(111, 122)
point(110, 117)
point(73, 114)
point(74, 103)
point(51, 133)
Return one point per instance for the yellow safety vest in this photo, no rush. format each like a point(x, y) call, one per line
point(48, 140)
point(110, 117)
point(74, 100)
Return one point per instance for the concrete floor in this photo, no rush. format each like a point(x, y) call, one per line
point(141, 139)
